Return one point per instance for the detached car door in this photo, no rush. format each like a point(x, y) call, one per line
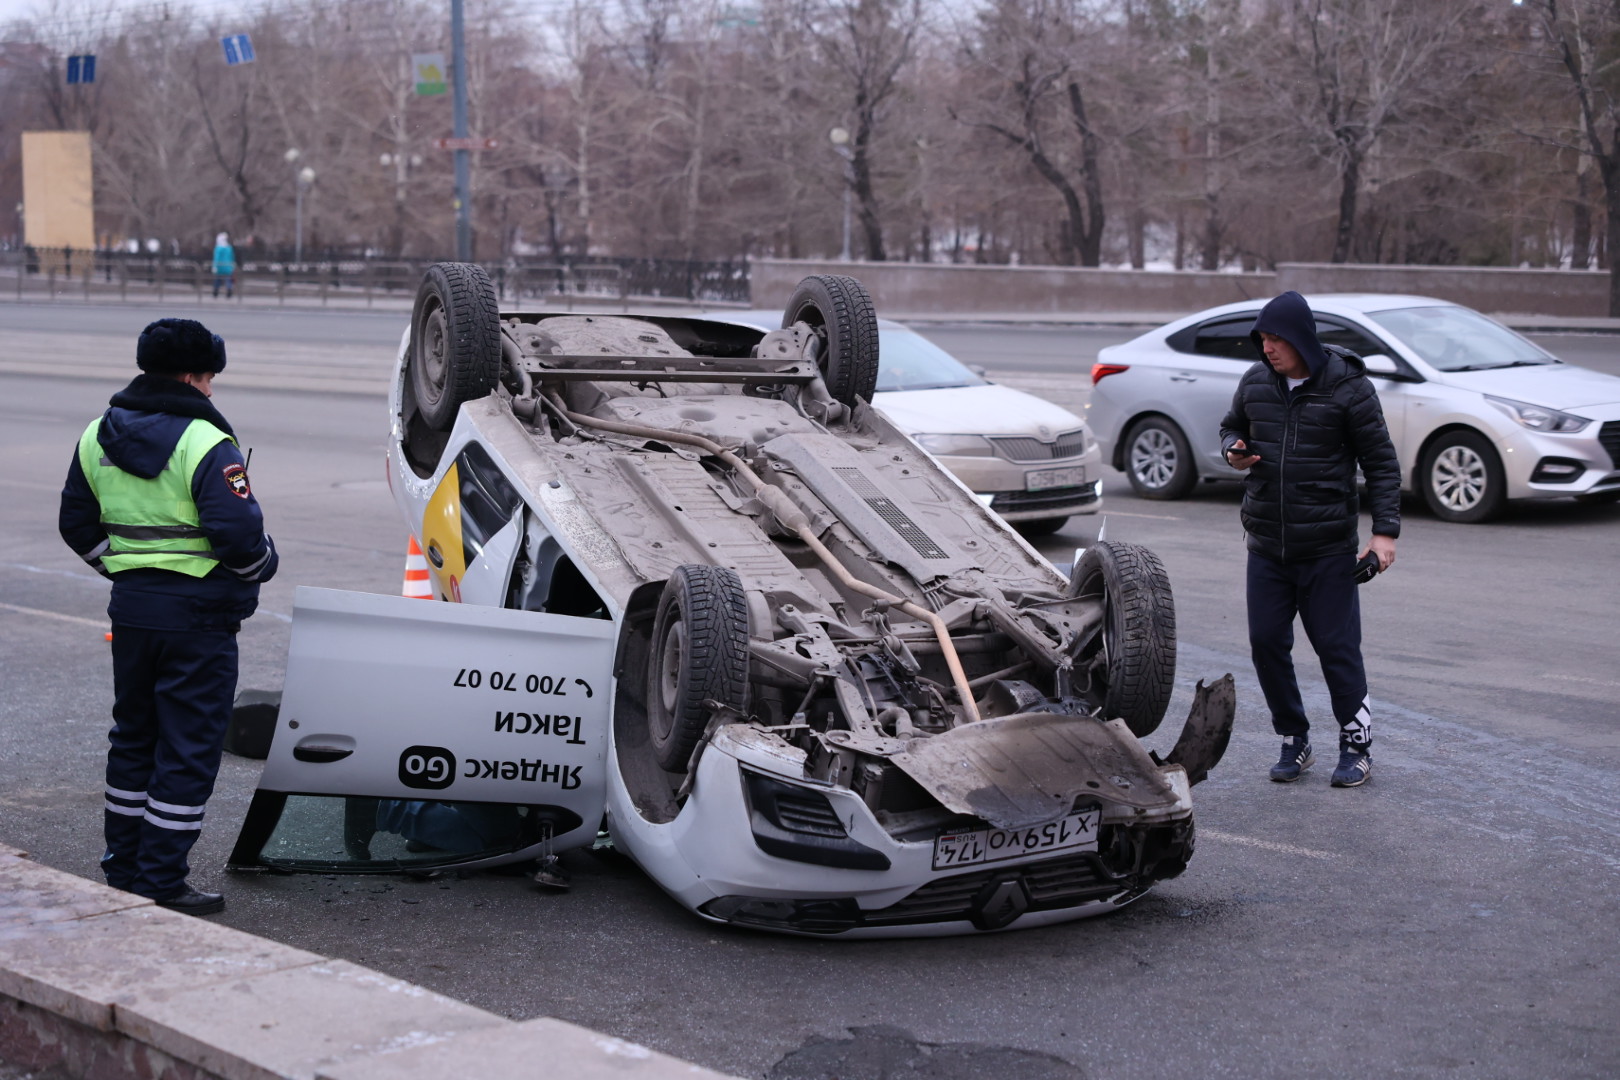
point(415, 734)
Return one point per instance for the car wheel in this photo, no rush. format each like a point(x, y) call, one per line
point(1158, 460)
point(1041, 526)
point(1462, 478)
point(839, 309)
point(699, 653)
point(455, 341)
point(1133, 659)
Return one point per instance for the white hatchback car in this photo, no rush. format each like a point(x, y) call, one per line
point(1479, 415)
point(1032, 462)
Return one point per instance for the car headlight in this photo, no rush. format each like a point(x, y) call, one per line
point(955, 445)
point(1538, 417)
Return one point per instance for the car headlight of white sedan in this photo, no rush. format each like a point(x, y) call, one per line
point(1539, 417)
point(956, 445)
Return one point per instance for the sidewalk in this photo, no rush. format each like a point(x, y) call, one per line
point(101, 983)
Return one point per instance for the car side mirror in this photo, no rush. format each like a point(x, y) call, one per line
point(1380, 364)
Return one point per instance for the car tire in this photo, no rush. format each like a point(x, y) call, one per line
point(1462, 478)
point(1138, 639)
point(839, 308)
point(1159, 460)
point(1041, 526)
point(455, 341)
point(699, 653)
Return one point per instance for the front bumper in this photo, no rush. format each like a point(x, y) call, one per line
point(711, 860)
point(1016, 490)
point(1552, 466)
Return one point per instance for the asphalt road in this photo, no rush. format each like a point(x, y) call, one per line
point(1453, 918)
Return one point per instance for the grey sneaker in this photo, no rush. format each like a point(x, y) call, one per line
point(1296, 758)
point(1355, 767)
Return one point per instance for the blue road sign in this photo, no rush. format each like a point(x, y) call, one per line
point(81, 69)
point(238, 49)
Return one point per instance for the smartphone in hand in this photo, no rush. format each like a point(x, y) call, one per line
point(1240, 451)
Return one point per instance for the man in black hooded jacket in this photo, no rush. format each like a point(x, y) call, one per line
point(157, 499)
point(1300, 424)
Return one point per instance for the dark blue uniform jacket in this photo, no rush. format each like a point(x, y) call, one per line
point(1300, 500)
point(138, 434)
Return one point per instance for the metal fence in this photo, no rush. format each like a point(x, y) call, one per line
point(59, 273)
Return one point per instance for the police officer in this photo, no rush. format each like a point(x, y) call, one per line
point(158, 500)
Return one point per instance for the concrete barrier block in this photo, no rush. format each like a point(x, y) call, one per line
point(78, 968)
point(293, 1023)
point(543, 1049)
point(31, 894)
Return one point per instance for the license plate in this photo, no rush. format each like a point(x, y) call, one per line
point(1044, 479)
point(1077, 832)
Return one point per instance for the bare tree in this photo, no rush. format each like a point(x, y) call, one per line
point(868, 44)
point(1362, 67)
point(1583, 37)
point(1026, 54)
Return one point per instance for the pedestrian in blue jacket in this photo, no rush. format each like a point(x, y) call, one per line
point(224, 265)
point(158, 500)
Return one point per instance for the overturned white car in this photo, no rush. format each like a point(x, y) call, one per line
point(708, 594)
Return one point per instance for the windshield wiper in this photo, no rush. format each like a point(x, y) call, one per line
point(1510, 363)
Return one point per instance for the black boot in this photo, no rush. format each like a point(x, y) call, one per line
point(191, 902)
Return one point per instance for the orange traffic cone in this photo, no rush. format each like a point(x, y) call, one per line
point(417, 585)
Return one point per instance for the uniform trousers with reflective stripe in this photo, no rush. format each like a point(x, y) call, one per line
point(173, 692)
point(1322, 592)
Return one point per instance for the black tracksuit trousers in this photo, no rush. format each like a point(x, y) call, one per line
point(1322, 592)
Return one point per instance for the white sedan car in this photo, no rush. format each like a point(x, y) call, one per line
point(1032, 462)
point(1478, 414)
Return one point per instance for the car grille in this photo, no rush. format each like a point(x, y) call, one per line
point(1056, 499)
point(1609, 436)
point(809, 813)
point(1023, 448)
point(1059, 882)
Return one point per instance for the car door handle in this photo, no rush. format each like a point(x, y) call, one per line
point(1184, 377)
point(321, 749)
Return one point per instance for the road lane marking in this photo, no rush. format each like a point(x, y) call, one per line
point(76, 575)
point(99, 624)
point(1268, 845)
point(1155, 517)
point(1583, 679)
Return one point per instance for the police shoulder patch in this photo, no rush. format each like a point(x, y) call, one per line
point(236, 479)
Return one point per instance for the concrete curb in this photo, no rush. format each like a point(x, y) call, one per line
point(97, 982)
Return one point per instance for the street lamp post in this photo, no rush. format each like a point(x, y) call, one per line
point(302, 180)
point(839, 137)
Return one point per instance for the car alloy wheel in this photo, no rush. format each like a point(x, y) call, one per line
point(1158, 460)
point(1462, 478)
point(1458, 478)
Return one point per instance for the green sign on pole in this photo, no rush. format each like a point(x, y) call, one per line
point(429, 71)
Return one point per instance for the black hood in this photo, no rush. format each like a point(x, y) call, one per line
point(1290, 318)
point(147, 418)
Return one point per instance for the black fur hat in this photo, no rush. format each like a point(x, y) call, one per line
point(179, 346)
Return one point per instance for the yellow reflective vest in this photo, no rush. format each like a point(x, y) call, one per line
point(152, 523)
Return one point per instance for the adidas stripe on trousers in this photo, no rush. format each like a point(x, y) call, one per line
point(173, 691)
